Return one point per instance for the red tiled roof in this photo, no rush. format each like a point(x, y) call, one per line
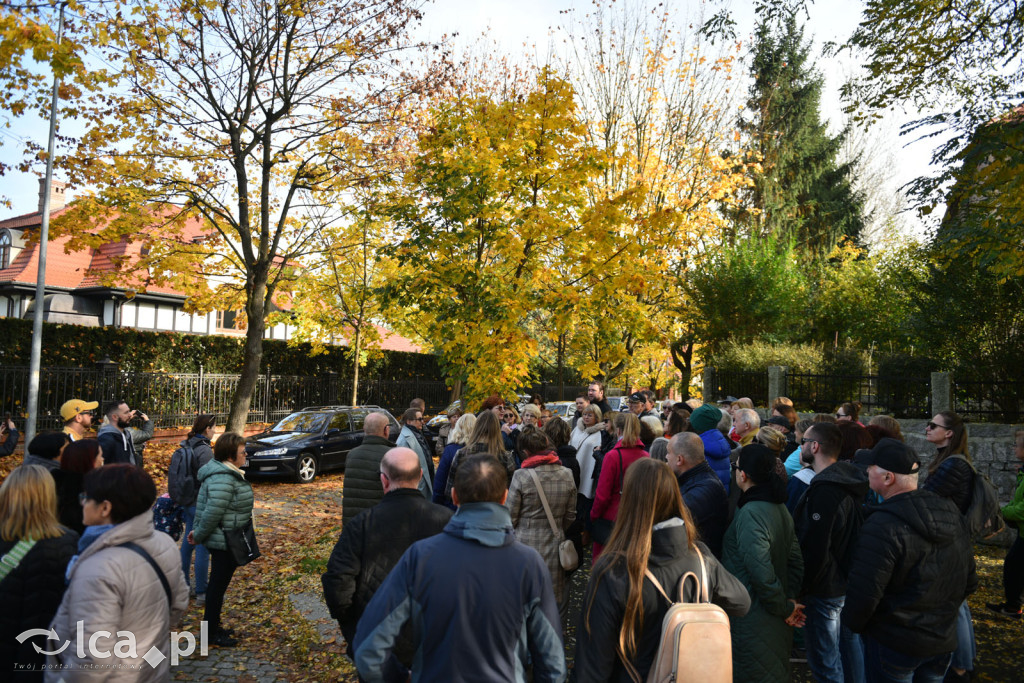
point(393, 341)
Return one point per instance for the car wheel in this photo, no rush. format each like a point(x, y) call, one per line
point(305, 468)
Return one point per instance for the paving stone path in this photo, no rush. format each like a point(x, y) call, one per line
point(229, 664)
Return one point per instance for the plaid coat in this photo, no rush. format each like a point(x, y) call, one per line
point(530, 522)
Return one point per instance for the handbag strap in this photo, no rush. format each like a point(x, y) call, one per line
point(702, 582)
point(10, 561)
point(544, 501)
point(152, 563)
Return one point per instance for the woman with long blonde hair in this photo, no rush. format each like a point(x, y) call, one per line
point(38, 548)
point(622, 610)
point(457, 439)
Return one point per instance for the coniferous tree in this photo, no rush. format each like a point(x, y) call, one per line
point(802, 194)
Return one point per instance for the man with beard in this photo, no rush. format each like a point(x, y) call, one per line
point(114, 437)
point(799, 482)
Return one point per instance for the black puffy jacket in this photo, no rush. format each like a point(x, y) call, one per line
point(911, 568)
point(827, 520)
point(369, 547)
point(362, 488)
point(598, 636)
point(30, 596)
point(567, 456)
point(704, 494)
point(954, 479)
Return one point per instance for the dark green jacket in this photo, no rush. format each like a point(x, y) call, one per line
point(362, 488)
point(225, 500)
point(761, 550)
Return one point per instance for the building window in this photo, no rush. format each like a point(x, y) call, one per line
point(5, 249)
point(230, 320)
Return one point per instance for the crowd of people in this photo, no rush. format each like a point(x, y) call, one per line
point(813, 536)
point(83, 563)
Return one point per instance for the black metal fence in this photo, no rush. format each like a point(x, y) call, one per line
point(741, 383)
point(904, 397)
point(550, 392)
point(174, 399)
point(989, 400)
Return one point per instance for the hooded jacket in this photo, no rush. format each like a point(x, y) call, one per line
point(114, 589)
point(118, 446)
point(828, 519)
point(912, 566)
point(225, 502)
point(716, 450)
point(670, 559)
point(704, 494)
point(480, 603)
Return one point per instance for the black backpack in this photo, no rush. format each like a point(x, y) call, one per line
point(182, 483)
point(983, 516)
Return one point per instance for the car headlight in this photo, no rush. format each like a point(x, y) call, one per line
point(271, 451)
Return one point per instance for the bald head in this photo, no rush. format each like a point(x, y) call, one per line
point(400, 469)
point(685, 451)
point(376, 424)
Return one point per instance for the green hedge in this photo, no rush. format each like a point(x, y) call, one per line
point(799, 358)
point(81, 346)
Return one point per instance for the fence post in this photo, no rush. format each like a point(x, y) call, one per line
point(266, 400)
point(777, 381)
point(108, 378)
point(709, 384)
point(942, 391)
point(202, 389)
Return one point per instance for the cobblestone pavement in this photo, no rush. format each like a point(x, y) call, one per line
point(230, 664)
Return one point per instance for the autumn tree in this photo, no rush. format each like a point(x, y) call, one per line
point(659, 104)
point(232, 114)
point(497, 181)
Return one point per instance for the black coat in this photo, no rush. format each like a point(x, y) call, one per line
point(954, 479)
point(69, 508)
point(911, 568)
point(369, 547)
point(670, 559)
point(30, 596)
point(827, 520)
point(10, 442)
point(567, 456)
point(708, 502)
point(362, 488)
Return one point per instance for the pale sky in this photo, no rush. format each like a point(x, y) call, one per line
point(515, 24)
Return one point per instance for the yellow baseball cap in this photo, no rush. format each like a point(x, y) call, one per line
point(76, 406)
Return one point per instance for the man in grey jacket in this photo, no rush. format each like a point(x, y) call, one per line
point(115, 437)
point(412, 422)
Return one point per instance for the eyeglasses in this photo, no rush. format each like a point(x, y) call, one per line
point(82, 497)
point(733, 466)
point(805, 440)
point(417, 419)
point(839, 415)
point(385, 475)
point(933, 425)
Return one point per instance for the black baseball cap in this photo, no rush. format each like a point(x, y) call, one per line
point(891, 455)
point(637, 397)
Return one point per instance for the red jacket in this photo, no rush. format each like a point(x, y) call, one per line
point(609, 485)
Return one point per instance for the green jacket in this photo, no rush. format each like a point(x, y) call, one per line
point(760, 549)
point(1013, 511)
point(225, 500)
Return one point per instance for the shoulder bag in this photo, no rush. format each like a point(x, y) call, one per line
point(241, 543)
point(567, 556)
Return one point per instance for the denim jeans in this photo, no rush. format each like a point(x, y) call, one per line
point(834, 652)
point(888, 666)
point(202, 554)
point(965, 652)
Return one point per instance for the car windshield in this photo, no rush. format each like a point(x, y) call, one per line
point(301, 422)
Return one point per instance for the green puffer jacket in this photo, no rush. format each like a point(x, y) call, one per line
point(225, 500)
point(1013, 512)
point(761, 550)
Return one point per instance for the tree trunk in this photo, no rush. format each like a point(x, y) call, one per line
point(356, 343)
point(682, 358)
point(252, 356)
point(561, 367)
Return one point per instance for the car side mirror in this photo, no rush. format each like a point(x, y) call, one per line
point(333, 431)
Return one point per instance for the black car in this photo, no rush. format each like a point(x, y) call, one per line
point(310, 441)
